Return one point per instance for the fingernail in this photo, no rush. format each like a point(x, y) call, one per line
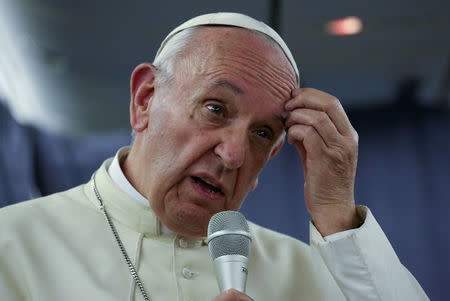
point(288, 105)
point(295, 92)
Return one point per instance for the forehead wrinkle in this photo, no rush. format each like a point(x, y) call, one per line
point(250, 78)
point(276, 79)
point(261, 65)
point(259, 60)
point(221, 73)
point(224, 83)
point(217, 76)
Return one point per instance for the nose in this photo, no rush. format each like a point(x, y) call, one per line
point(232, 148)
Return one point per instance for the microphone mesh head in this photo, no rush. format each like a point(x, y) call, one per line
point(228, 244)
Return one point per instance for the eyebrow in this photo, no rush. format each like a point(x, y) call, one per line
point(237, 90)
point(282, 119)
point(227, 84)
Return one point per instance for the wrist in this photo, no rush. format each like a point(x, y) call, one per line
point(337, 218)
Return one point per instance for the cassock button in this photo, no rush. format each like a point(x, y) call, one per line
point(188, 274)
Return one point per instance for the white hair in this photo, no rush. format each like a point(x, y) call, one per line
point(165, 61)
point(173, 49)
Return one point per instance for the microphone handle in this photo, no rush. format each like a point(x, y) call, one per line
point(231, 272)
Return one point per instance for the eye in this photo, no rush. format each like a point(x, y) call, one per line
point(216, 109)
point(264, 133)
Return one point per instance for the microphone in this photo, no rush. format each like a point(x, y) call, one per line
point(229, 246)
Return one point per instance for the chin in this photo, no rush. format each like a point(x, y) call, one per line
point(190, 220)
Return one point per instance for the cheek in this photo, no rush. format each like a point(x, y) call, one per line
point(178, 147)
point(246, 179)
point(168, 132)
point(259, 155)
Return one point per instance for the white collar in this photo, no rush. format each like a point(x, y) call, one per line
point(116, 174)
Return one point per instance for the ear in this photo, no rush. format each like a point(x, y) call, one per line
point(255, 184)
point(142, 88)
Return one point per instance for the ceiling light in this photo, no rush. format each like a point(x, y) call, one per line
point(344, 26)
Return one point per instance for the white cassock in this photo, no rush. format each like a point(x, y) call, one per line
point(60, 247)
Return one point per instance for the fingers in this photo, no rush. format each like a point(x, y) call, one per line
point(299, 145)
point(232, 295)
point(320, 101)
point(306, 138)
point(317, 119)
point(317, 125)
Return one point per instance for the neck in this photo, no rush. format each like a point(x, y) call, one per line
point(130, 170)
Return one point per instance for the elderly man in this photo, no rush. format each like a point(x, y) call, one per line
point(208, 114)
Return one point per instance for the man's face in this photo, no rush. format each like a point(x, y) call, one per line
point(212, 130)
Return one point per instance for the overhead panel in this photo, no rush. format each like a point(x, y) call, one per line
point(399, 40)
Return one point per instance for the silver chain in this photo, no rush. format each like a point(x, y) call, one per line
point(119, 242)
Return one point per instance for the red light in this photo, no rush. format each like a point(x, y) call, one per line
point(345, 26)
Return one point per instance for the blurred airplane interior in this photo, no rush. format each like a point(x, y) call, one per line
point(64, 104)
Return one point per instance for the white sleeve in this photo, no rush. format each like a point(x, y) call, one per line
point(364, 264)
point(339, 235)
point(13, 284)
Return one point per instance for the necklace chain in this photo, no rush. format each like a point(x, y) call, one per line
point(130, 265)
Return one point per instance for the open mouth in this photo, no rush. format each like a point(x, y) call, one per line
point(206, 185)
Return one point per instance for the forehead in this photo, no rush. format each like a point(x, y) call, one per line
point(249, 60)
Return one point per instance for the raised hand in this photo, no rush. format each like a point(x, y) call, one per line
point(328, 146)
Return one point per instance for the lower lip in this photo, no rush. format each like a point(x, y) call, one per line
point(206, 194)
